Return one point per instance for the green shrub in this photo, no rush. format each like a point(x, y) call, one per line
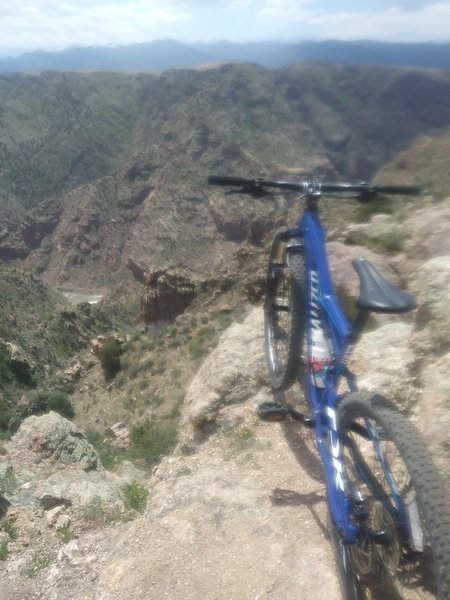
point(151, 398)
point(160, 367)
point(223, 319)
point(135, 496)
point(37, 563)
point(175, 374)
point(37, 401)
point(3, 550)
point(60, 402)
point(143, 384)
point(109, 355)
point(9, 527)
point(109, 455)
point(99, 512)
point(173, 343)
point(147, 364)
point(151, 443)
point(120, 380)
point(5, 415)
point(66, 534)
point(6, 374)
point(197, 349)
point(133, 370)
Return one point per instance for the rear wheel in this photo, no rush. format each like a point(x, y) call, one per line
point(284, 309)
point(404, 549)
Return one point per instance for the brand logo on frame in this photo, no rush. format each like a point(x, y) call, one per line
point(314, 304)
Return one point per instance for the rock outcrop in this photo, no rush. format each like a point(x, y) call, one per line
point(229, 375)
point(167, 294)
point(54, 436)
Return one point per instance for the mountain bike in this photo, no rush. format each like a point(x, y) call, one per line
point(388, 513)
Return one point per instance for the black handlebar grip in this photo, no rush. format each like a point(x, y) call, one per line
point(236, 181)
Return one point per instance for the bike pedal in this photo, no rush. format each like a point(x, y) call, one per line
point(272, 411)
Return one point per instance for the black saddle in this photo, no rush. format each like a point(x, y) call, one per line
point(376, 293)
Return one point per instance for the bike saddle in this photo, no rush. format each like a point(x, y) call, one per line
point(376, 293)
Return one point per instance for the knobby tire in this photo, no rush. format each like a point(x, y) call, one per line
point(284, 310)
point(402, 568)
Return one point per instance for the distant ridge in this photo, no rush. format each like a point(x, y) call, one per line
point(161, 55)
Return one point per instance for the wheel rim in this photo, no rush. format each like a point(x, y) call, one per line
point(278, 319)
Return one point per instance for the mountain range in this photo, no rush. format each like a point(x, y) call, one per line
point(160, 55)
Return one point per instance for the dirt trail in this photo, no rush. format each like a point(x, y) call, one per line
point(244, 519)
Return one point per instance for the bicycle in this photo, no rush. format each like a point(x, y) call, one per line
point(388, 514)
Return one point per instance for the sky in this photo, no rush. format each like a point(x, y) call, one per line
point(58, 24)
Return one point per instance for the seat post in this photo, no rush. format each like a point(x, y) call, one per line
point(358, 326)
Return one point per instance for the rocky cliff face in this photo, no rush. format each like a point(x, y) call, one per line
point(106, 169)
point(143, 214)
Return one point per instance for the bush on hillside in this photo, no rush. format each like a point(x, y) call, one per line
point(60, 402)
point(109, 355)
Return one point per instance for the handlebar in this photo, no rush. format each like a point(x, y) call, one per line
point(257, 185)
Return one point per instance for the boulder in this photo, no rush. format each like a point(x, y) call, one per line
point(382, 233)
point(344, 275)
point(230, 374)
point(78, 490)
point(51, 435)
point(384, 363)
point(22, 365)
point(120, 435)
point(432, 286)
point(73, 372)
point(429, 232)
point(167, 294)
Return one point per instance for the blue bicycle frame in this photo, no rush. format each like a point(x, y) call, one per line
point(323, 400)
point(324, 314)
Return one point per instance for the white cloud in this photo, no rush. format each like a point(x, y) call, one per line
point(57, 24)
point(52, 25)
point(421, 21)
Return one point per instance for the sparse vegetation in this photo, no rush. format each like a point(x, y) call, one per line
point(3, 550)
point(36, 564)
point(66, 534)
point(109, 455)
point(8, 482)
point(143, 384)
point(135, 496)
point(9, 527)
point(98, 512)
point(60, 402)
point(151, 441)
point(109, 355)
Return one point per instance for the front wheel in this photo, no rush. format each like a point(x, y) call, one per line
point(284, 309)
point(403, 552)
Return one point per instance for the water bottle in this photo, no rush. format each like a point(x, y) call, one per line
point(320, 356)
